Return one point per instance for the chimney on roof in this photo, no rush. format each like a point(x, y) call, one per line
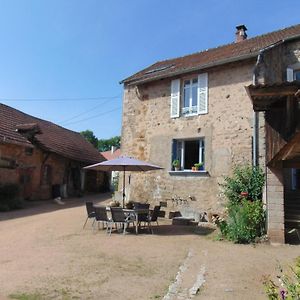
point(113, 149)
point(240, 34)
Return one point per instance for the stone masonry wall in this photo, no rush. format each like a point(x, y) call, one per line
point(148, 130)
point(275, 195)
point(31, 166)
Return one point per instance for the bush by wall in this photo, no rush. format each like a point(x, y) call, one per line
point(9, 197)
point(245, 218)
point(246, 179)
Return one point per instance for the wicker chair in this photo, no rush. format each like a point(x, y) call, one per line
point(90, 212)
point(119, 217)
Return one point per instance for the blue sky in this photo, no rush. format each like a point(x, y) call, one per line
point(78, 51)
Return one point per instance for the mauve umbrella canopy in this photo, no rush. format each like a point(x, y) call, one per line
point(123, 163)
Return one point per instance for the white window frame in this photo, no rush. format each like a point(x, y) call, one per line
point(191, 110)
point(291, 72)
point(181, 146)
point(294, 73)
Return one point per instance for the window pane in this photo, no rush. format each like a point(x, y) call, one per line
point(202, 149)
point(297, 75)
point(191, 153)
point(194, 95)
point(195, 80)
point(186, 100)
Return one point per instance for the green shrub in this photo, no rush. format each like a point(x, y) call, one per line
point(288, 287)
point(9, 197)
point(245, 218)
point(245, 221)
point(245, 179)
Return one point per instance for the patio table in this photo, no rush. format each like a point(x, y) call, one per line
point(135, 214)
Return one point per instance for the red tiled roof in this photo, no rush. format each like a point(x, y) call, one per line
point(108, 155)
point(211, 57)
point(53, 138)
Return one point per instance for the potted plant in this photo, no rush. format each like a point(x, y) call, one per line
point(198, 166)
point(176, 164)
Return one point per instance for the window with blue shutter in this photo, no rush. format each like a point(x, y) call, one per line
point(189, 152)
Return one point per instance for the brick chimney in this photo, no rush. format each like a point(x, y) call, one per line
point(240, 34)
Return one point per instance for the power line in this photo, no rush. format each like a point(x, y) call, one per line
point(84, 112)
point(93, 117)
point(57, 99)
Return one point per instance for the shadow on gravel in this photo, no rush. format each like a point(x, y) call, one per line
point(39, 207)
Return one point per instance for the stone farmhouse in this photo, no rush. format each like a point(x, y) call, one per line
point(237, 103)
point(37, 155)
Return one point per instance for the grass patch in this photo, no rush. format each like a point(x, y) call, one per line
point(25, 296)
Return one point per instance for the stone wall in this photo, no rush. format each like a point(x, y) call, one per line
point(29, 174)
point(275, 204)
point(148, 131)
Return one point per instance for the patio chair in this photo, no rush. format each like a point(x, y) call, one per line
point(90, 212)
point(144, 217)
point(155, 214)
point(119, 217)
point(101, 217)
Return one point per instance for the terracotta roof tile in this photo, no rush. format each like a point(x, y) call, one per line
point(214, 56)
point(52, 138)
point(108, 155)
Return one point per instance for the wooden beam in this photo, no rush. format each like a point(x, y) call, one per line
point(273, 91)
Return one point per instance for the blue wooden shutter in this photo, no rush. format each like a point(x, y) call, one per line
point(289, 74)
point(174, 150)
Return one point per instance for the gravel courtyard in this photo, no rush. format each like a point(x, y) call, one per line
point(45, 254)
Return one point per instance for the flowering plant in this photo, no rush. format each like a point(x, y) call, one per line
point(288, 287)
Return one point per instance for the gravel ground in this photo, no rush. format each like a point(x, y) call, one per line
point(45, 254)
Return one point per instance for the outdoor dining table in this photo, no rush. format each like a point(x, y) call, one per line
point(135, 214)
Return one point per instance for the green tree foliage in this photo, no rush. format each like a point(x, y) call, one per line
point(106, 144)
point(89, 136)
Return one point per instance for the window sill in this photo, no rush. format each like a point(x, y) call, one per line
point(188, 173)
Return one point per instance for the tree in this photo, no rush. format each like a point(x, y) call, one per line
point(106, 144)
point(90, 137)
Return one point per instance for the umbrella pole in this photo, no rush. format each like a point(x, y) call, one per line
point(124, 187)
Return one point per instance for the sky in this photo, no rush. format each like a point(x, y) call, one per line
point(62, 60)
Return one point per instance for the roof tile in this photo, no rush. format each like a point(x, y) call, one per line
point(52, 138)
point(219, 55)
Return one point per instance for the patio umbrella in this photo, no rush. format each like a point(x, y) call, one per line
point(124, 164)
